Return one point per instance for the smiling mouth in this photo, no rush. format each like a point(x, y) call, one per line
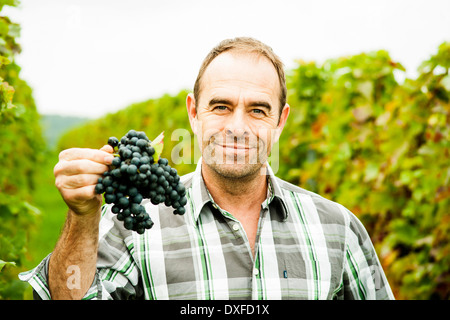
point(237, 152)
point(235, 147)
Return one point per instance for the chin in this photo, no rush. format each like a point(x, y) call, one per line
point(235, 171)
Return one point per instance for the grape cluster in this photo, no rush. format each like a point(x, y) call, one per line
point(133, 176)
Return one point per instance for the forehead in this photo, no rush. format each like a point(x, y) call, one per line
point(241, 71)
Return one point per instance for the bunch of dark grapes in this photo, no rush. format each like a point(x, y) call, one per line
point(133, 176)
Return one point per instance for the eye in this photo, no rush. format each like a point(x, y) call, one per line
point(220, 108)
point(258, 112)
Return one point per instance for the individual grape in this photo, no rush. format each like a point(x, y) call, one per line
point(132, 191)
point(150, 151)
point(132, 169)
point(174, 195)
point(115, 209)
point(127, 153)
point(116, 173)
point(159, 171)
point(163, 161)
point(116, 162)
point(109, 190)
point(107, 181)
point(145, 160)
point(141, 143)
point(128, 223)
point(113, 142)
point(126, 212)
point(183, 201)
point(132, 133)
point(133, 141)
point(110, 198)
point(99, 188)
point(135, 208)
point(148, 223)
point(135, 175)
point(137, 198)
point(144, 168)
point(180, 210)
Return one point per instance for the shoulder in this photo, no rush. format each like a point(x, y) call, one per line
point(333, 218)
point(329, 212)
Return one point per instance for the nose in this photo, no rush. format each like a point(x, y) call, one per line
point(237, 126)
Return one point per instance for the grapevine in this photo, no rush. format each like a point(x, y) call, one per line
point(138, 172)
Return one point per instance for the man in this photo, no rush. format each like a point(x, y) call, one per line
point(245, 235)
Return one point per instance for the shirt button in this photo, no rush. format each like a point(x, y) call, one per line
point(236, 227)
point(255, 272)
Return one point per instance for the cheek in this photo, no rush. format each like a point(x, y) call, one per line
point(266, 138)
point(208, 128)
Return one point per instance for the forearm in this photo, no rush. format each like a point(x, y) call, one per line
point(72, 265)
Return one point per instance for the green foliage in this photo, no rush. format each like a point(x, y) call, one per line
point(21, 143)
point(8, 47)
point(380, 148)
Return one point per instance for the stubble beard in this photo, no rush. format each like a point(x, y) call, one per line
point(235, 166)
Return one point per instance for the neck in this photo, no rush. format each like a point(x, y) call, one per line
point(242, 197)
point(236, 195)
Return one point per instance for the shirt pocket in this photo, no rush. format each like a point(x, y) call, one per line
point(306, 278)
point(293, 277)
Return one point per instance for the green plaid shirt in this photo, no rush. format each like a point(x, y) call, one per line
point(307, 247)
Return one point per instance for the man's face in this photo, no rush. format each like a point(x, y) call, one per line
point(237, 119)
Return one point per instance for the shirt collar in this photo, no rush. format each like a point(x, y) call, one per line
point(200, 195)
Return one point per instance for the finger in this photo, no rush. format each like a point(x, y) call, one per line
point(107, 148)
point(81, 166)
point(99, 156)
point(79, 194)
point(76, 181)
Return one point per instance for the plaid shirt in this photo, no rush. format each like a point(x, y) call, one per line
point(307, 247)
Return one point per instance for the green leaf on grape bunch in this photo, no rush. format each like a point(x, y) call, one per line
point(158, 145)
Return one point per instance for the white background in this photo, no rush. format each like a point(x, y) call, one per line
point(90, 57)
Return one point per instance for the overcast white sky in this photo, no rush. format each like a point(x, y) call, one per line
point(91, 57)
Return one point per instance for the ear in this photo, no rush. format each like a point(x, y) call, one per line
point(283, 118)
point(192, 111)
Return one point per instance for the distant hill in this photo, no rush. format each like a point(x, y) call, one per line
point(53, 126)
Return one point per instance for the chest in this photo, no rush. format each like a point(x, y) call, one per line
point(213, 260)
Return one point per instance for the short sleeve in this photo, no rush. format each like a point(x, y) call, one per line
point(117, 275)
point(363, 275)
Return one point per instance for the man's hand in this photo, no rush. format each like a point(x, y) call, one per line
point(76, 175)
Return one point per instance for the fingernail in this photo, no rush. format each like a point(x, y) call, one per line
point(109, 159)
